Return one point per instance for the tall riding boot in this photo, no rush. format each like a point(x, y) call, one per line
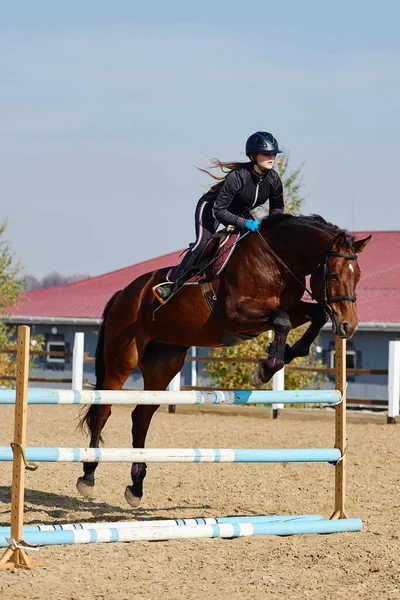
point(164, 290)
point(182, 272)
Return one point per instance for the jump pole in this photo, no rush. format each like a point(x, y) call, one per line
point(223, 530)
point(174, 455)
point(5, 531)
point(15, 556)
point(189, 397)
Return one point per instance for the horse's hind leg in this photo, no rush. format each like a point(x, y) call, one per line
point(96, 419)
point(116, 374)
point(160, 363)
point(99, 416)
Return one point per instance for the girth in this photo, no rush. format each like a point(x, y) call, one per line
point(227, 339)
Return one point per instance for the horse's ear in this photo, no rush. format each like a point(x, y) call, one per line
point(339, 242)
point(359, 245)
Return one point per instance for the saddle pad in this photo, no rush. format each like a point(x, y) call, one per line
point(220, 261)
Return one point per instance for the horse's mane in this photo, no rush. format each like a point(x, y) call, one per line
point(315, 221)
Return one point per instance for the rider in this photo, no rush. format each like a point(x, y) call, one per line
point(246, 186)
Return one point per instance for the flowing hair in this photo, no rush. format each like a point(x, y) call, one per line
point(226, 168)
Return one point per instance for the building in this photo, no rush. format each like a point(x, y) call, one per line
point(58, 313)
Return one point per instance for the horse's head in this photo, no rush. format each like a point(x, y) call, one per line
point(334, 282)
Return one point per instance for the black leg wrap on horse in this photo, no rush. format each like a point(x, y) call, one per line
point(273, 349)
point(88, 470)
point(138, 473)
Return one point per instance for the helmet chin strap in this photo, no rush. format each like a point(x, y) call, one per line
point(259, 169)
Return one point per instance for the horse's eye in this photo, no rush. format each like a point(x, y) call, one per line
point(333, 277)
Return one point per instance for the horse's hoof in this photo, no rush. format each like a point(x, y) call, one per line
point(256, 376)
point(130, 497)
point(85, 490)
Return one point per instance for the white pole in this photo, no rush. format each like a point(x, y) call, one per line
point(278, 384)
point(174, 386)
point(77, 361)
point(394, 381)
point(194, 367)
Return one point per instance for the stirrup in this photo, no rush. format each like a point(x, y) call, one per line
point(162, 291)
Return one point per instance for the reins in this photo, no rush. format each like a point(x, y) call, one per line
point(284, 265)
point(328, 299)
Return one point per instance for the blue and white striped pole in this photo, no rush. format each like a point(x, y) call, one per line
point(157, 533)
point(185, 455)
point(5, 531)
point(145, 397)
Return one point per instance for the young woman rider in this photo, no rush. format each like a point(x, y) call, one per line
point(246, 186)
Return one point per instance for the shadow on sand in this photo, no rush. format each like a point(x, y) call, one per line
point(59, 507)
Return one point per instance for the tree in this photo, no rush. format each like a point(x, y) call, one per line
point(11, 286)
point(237, 375)
point(53, 279)
point(292, 182)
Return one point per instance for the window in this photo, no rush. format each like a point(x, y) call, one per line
point(351, 359)
point(55, 347)
point(55, 342)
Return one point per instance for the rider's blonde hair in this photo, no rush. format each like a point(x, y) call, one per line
point(226, 168)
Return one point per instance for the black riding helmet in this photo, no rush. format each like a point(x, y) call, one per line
point(262, 142)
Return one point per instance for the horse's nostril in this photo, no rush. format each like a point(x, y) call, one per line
point(345, 326)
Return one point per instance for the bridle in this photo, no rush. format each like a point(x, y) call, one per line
point(328, 299)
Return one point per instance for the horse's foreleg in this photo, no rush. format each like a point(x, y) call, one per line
point(159, 364)
point(305, 312)
point(265, 370)
point(253, 315)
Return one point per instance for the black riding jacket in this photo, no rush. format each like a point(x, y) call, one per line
point(242, 190)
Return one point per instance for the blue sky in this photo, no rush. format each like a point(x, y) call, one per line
point(106, 108)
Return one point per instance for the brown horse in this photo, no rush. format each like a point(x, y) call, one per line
point(260, 289)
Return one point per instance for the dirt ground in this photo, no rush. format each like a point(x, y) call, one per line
point(347, 566)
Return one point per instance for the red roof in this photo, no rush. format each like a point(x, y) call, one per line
point(86, 298)
point(378, 291)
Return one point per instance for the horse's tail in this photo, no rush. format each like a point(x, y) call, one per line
point(100, 367)
point(89, 416)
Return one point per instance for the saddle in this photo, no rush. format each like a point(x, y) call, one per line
point(214, 257)
point(212, 261)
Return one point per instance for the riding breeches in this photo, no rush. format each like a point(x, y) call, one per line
point(206, 226)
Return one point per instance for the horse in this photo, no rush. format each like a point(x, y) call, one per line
point(260, 289)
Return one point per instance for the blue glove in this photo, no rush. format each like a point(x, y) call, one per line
point(252, 225)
